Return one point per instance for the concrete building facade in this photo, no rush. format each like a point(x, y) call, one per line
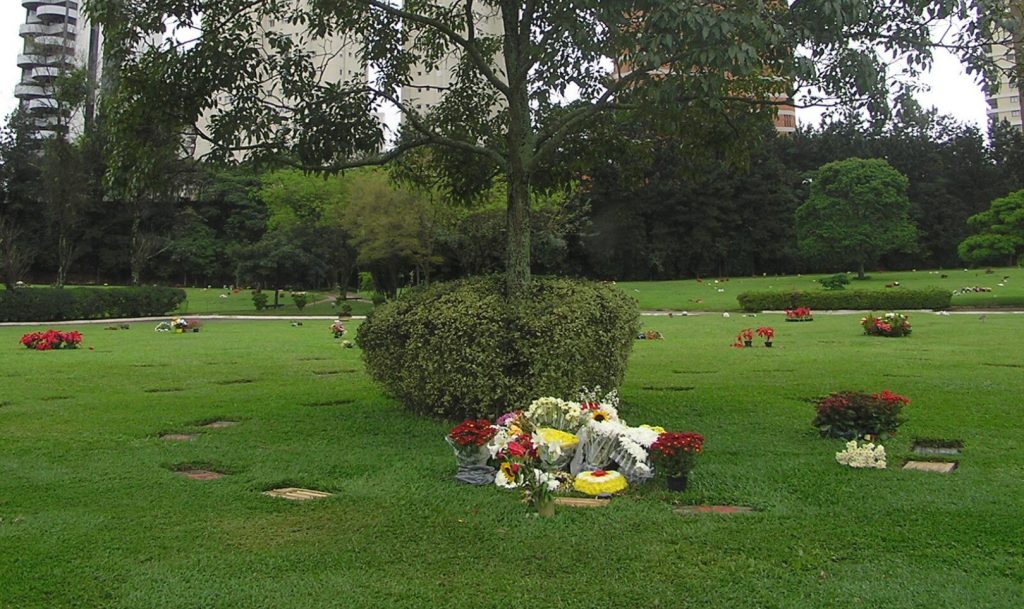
point(57, 39)
point(1004, 98)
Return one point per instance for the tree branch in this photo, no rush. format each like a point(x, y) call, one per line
point(471, 48)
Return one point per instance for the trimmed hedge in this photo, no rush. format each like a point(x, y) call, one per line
point(51, 304)
point(460, 349)
point(889, 300)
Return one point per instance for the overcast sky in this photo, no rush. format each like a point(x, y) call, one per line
point(952, 92)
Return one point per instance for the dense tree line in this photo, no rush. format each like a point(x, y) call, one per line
point(639, 205)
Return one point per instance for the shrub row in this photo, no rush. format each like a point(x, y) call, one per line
point(461, 349)
point(51, 304)
point(932, 298)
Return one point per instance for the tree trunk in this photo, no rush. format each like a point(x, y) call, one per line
point(135, 249)
point(860, 271)
point(520, 146)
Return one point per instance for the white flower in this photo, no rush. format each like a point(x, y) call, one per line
point(867, 456)
point(502, 481)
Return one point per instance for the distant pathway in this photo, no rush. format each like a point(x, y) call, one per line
point(680, 313)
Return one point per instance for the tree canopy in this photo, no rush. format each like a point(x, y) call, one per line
point(1002, 232)
point(516, 91)
point(856, 211)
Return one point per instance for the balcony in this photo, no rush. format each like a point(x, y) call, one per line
point(43, 105)
point(31, 30)
point(57, 44)
point(34, 4)
point(57, 14)
point(45, 75)
point(28, 90)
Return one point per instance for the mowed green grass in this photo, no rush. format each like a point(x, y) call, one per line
point(91, 514)
point(216, 301)
point(711, 294)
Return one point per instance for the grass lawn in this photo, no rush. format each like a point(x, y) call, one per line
point(91, 514)
point(215, 301)
point(706, 295)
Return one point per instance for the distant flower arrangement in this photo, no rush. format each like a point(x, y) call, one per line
point(799, 314)
point(51, 339)
point(890, 324)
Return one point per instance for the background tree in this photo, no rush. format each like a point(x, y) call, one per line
point(505, 107)
point(20, 223)
point(1002, 236)
point(857, 210)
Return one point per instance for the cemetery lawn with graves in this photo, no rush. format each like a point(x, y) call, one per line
point(93, 514)
point(1006, 287)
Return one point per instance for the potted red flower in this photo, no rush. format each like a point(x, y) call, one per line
point(675, 455)
point(767, 333)
point(746, 336)
point(799, 314)
point(469, 441)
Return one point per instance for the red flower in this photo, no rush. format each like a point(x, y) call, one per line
point(470, 432)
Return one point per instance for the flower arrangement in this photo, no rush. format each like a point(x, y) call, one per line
point(744, 339)
point(469, 440)
point(767, 333)
point(890, 324)
point(867, 455)
point(181, 325)
point(556, 413)
point(557, 445)
point(51, 339)
point(675, 454)
point(338, 329)
point(851, 414)
point(599, 482)
point(799, 314)
point(650, 335)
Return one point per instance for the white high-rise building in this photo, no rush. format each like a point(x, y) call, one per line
point(57, 39)
point(1004, 98)
point(335, 59)
point(427, 86)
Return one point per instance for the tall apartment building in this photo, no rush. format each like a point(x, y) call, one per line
point(427, 86)
point(1004, 98)
point(335, 58)
point(57, 39)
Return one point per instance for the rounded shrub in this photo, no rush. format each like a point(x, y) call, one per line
point(461, 349)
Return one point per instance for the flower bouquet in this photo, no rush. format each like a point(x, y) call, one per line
point(799, 314)
point(469, 440)
point(555, 448)
point(675, 455)
point(631, 453)
point(599, 439)
point(556, 414)
point(890, 324)
point(867, 455)
point(51, 339)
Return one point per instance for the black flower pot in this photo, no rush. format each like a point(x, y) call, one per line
point(676, 483)
point(748, 343)
point(767, 343)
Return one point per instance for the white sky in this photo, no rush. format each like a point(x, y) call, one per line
point(952, 91)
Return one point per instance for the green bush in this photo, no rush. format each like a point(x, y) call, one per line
point(52, 304)
point(378, 299)
point(839, 281)
point(259, 300)
point(300, 299)
point(460, 349)
point(932, 298)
